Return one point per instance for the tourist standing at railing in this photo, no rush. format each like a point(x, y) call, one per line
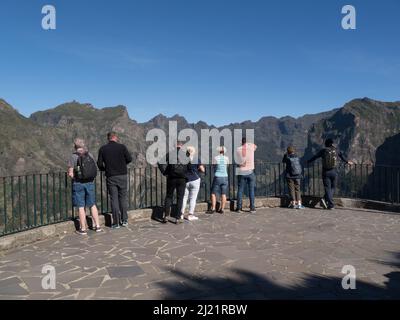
point(294, 172)
point(82, 170)
point(245, 173)
point(193, 182)
point(113, 159)
point(220, 181)
point(176, 171)
point(329, 156)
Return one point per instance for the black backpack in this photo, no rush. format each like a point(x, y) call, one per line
point(295, 168)
point(329, 159)
point(86, 168)
point(177, 170)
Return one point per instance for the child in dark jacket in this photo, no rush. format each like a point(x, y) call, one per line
point(293, 177)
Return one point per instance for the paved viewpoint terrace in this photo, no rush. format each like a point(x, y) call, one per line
point(273, 254)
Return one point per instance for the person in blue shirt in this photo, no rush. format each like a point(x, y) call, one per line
point(220, 182)
point(193, 182)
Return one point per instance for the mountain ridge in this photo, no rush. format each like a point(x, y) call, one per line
point(44, 140)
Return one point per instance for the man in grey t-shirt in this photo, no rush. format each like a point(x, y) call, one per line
point(83, 194)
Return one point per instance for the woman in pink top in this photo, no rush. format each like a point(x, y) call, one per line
point(245, 174)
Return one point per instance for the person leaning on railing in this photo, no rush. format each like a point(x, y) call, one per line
point(82, 170)
point(293, 176)
point(220, 182)
point(329, 156)
point(175, 171)
point(245, 173)
point(193, 182)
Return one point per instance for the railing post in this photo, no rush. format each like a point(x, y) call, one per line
point(107, 196)
point(5, 204)
point(156, 171)
point(60, 195)
point(129, 188)
point(12, 204)
point(66, 193)
point(145, 188)
point(134, 188)
point(162, 190)
point(27, 202)
point(34, 200)
point(47, 199)
point(19, 203)
point(275, 188)
point(53, 176)
point(398, 185)
point(41, 197)
point(101, 193)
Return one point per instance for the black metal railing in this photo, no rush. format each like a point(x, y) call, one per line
point(35, 200)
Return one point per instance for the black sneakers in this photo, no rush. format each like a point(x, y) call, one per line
point(253, 210)
point(211, 211)
point(81, 232)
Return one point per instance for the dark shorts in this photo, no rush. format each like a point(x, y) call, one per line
point(220, 186)
point(83, 194)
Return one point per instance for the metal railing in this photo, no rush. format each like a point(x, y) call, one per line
point(36, 200)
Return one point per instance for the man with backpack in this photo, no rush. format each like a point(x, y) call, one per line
point(329, 157)
point(113, 159)
point(82, 170)
point(175, 168)
point(294, 172)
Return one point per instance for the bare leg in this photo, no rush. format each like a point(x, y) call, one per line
point(82, 219)
point(223, 201)
point(213, 201)
point(95, 215)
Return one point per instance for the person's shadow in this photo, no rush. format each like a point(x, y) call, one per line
point(250, 285)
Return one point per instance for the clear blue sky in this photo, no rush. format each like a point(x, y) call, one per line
point(220, 61)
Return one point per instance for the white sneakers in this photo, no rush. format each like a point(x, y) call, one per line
point(191, 217)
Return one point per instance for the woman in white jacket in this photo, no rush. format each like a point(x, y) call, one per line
point(192, 185)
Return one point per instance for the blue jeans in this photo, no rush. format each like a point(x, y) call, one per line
point(83, 194)
point(250, 180)
point(220, 186)
point(329, 179)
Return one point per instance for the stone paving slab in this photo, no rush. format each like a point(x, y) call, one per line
point(273, 254)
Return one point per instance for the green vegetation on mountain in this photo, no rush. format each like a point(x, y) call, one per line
point(44, 141)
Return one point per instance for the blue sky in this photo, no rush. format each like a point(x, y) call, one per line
point(220, 61)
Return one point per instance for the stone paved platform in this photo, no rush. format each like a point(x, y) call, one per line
point(273, 254)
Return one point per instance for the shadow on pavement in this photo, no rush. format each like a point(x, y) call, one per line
point(245, 284)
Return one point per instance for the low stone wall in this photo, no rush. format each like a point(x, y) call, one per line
point(368, 204)
point(20, 239)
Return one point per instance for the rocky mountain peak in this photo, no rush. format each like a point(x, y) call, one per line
point(4, 106)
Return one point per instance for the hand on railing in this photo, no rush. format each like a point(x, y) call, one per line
point(71, 173)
